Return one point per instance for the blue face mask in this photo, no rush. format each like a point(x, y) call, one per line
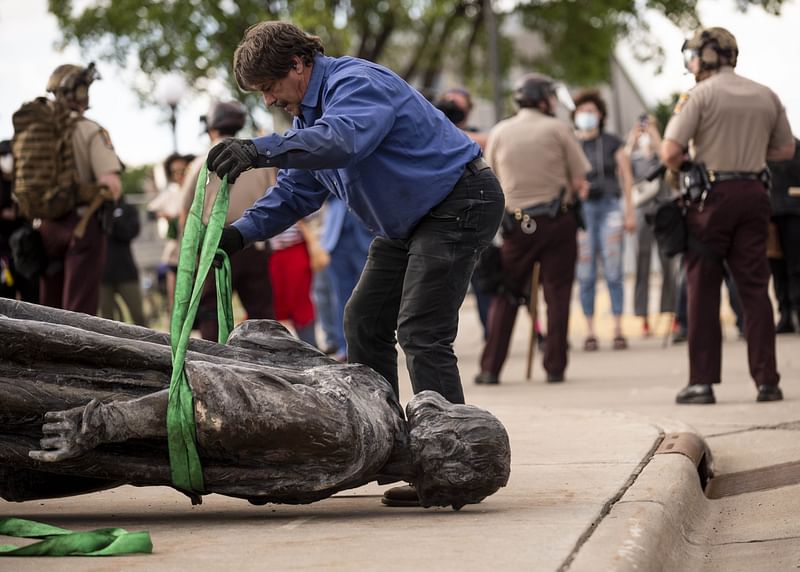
point(586, 121)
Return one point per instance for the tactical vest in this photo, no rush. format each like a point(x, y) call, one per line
point(46, 183)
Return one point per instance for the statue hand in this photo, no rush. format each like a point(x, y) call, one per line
point(68, 434)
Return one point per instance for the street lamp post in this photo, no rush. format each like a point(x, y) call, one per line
point(170, 90)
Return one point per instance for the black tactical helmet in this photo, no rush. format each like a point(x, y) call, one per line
point(71, 82)
point(226, 116)
point(709, 44)
point(532, 88)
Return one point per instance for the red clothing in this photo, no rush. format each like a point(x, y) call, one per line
point(290, 270)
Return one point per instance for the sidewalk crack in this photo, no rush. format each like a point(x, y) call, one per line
point(610, 503)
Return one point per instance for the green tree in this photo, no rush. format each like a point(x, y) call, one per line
point(417, 38)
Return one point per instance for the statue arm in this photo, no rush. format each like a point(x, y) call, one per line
point(71, 433)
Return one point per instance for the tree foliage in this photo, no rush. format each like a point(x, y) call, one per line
point(417, 38)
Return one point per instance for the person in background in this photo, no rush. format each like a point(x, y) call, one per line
point(13, 283)
point(167, 207)
point(121, 275)
point(608, 212)
point(720, 136)
point(250, 276)
point(75, 270)
point(785, 201)
point(347, 242)
point(542, 169)
point(642, 147)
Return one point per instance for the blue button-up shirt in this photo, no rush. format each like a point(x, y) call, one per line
point(367, 137)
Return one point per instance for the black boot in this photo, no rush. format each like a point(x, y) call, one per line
point(696, 393)
point(769, 393)
point(785, 325)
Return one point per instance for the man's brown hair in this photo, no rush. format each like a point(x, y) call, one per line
point(267, 50)
point(592, 96)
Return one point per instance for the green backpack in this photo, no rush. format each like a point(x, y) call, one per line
point(46, 181)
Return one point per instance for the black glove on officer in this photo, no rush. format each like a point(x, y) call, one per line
point(231, 241)
point(234, 156)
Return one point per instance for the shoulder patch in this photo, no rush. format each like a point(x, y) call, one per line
point(684, 97)
point(106, 139)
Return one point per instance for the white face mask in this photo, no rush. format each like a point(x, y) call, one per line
point(644, 142)
point(6, 164)
point(586, 121)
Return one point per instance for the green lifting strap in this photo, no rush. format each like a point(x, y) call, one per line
point(61, 542)
point(187, 472)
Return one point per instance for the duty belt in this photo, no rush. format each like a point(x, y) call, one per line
point(721, 176)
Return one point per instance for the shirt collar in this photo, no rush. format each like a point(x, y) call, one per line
point(311, 97)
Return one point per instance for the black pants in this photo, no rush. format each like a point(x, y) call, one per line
point(786, 270)
point(411, 289)
point(555, 247)
point(733, 224)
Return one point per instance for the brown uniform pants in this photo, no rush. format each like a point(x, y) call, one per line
point(554, 246)
point(76, 265)
point(250, 280)
point(733, 223)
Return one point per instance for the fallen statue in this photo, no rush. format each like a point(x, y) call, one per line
point(83, 406)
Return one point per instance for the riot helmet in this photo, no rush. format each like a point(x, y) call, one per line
point(713, 47)
point(71, 83)
point(533, 88)
point(227, 117)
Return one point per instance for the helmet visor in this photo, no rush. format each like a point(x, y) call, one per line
point(688, 55)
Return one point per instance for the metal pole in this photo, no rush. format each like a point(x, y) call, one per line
point(490, 22)
point(173, 122)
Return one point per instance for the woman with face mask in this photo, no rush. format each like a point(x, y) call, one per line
point(642, 146)
point(608, 212)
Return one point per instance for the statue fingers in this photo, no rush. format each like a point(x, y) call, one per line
point(59, 427)
point(53, 443)
point(47, 456)
point(55, 416)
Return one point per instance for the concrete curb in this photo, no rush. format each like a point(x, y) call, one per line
point(649, 527)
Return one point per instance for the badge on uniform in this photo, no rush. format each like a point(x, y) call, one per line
point(106, 139)
point(680, 103)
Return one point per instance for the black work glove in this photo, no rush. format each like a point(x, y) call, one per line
point(231, 241)
point(234, 156)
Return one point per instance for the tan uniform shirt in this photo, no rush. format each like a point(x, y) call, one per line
point(94, 153)
point(535, 156)
point(248, 188)
point(732, 122)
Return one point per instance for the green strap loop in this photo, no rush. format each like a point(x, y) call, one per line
point(62, 542)
point(186, 470)
point(224, 298)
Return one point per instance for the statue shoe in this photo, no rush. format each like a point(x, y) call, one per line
point(696, 393)
point(405, 495)
point(769, 393)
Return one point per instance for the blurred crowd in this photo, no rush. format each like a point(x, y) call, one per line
point(305, 275)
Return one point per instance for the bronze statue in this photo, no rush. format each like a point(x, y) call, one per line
point(83, 408)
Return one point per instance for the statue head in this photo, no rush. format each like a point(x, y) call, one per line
point(460, 453)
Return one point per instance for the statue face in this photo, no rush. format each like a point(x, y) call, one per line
point(461, 453)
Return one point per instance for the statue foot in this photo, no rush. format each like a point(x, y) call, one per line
point(68, 434)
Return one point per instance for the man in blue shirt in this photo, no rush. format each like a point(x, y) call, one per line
point(414, 179)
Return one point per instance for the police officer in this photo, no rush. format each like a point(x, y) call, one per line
point(72, 281)
point(541, 168)
point(735, 125)
point(250, 266)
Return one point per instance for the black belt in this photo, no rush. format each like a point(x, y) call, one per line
point(721, 176)
point(475, 166)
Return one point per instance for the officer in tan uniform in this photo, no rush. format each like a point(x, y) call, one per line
point(541, 167)
point(734, 125)
point(250, 266)
point(72, 280)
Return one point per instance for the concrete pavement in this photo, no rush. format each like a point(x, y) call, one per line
point(586, 490)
